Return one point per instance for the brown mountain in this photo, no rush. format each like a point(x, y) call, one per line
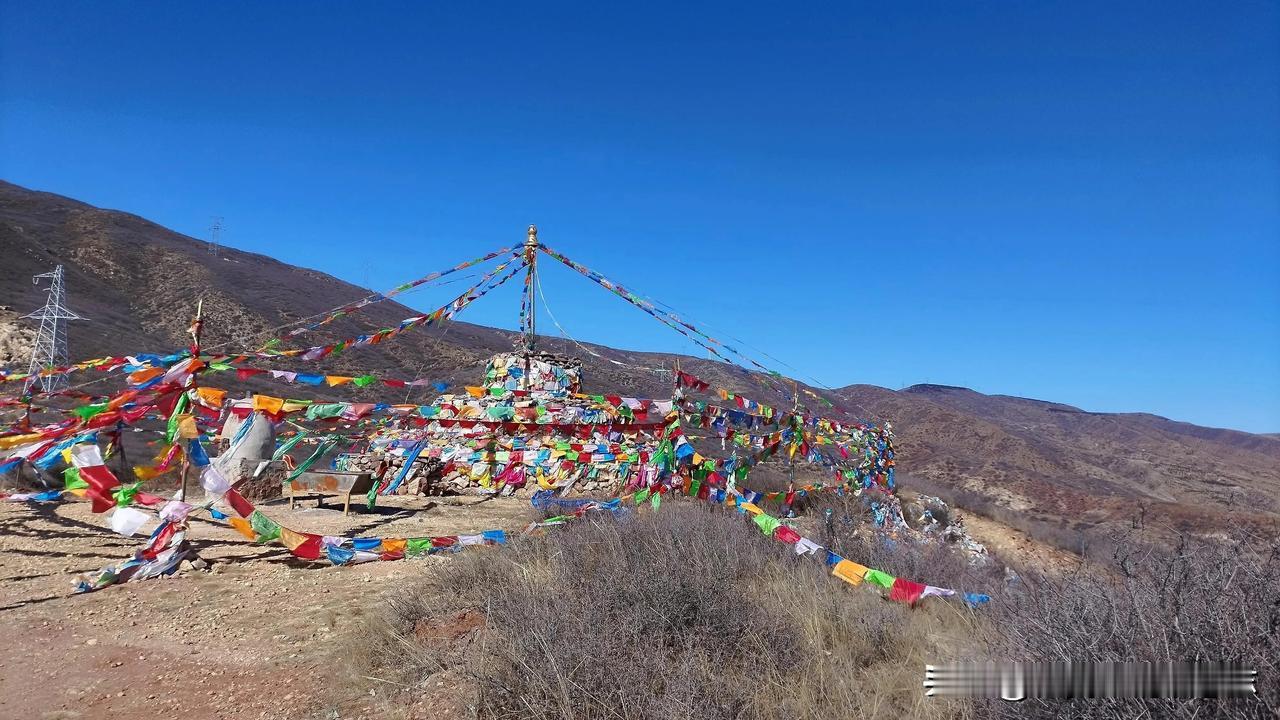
point(1035, 461)
point(1041, 464)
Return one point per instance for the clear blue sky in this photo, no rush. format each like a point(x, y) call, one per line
point(1077, 202)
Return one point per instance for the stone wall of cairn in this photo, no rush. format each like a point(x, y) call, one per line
point(458, 483)
point(267, 486)
point(423, 479)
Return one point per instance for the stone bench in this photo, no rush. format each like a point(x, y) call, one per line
point(319, 484)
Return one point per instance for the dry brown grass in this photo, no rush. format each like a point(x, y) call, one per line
point(691, 613)
point(684, 613)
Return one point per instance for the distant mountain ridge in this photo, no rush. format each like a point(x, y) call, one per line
point(1053, 462)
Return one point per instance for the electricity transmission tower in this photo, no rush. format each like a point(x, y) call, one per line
point(50, 348)
point(215, 234)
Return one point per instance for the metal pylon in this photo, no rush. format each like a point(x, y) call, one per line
point(50, 348)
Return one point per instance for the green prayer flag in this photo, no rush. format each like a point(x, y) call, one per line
point(179, 408)
point(266, 528)
point(417, 546)
point(320, 411)
point(655, 500)
point(71, 478)
point(85, 412)
point(875, 577)
point(323, 448)
point(641, 495)
point(288, 444)
point(364, 380)
point(125, 493)
point(767, 523)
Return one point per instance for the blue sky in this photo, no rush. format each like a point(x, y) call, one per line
point(1077, 202)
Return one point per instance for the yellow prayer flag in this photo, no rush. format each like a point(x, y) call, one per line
point(849, 571)
point(187, 427)
point(268, 404)
point(211, 397)
point(335, 380)
point(243, 527)
point(16, 440)
point(291, 539)
point(142, 472)
point(141, 376)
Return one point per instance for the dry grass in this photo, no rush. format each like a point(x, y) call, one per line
point(691, 613)
point(684, 613)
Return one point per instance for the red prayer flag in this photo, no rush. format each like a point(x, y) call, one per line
point(905, 591)
point(160, 542)
point(309, 550)
point(786, 535)
point(237, 502)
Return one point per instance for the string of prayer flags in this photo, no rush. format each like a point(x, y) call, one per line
point(900, 589)
point(98, 479)
point(164, 552)
point(35, 497)
point(704, 341)
point(347, 310)
point(487, 283)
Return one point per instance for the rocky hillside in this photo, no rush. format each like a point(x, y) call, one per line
point(1039, 460)
point(1049, 463)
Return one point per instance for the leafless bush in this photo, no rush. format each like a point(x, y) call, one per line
point(688, 612)
point(1195, 601)
point(851, 534)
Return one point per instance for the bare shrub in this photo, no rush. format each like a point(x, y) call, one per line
point(851, 534)
point(1194, 601)
point(688, 612)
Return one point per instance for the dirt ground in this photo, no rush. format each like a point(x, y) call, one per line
point(253, 637)
point(258, 635)
point(1017, 547)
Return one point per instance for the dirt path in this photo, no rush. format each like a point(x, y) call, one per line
point(1015, 546)
point(251, 638)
